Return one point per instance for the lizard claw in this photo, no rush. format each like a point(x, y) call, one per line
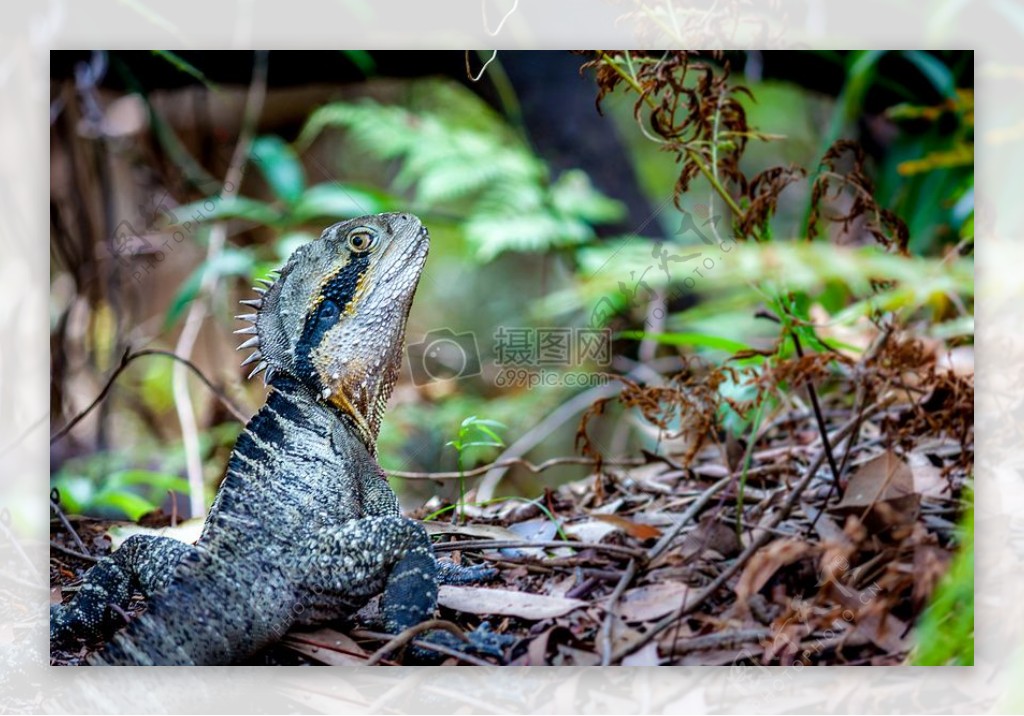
point(451, 573)
point(483, 641)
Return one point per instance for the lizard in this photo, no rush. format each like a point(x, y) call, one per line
point(304, 528)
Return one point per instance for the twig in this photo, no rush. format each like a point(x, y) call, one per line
point(719, 640)
point(510, 544)
point(197, 310)
point(126, 359)
point(610, 616)
point(543, 429)
point(820, 420)
point(655, 551)
point(858, 412)
point(762, 537)
point(55, 506)
point(294, 638)
point(441, 649)
point(73, 553)
point(541, 467)
point(698, 504)
point(397, 642)
point(547, 426)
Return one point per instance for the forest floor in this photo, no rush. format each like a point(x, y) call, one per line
point(647, 564)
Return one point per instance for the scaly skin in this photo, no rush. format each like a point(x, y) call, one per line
point(304, 528)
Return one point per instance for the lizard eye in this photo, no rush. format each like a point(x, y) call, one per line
point(361, 239)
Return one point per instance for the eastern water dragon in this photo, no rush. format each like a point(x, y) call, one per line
point(304, 528)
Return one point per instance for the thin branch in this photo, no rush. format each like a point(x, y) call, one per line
point(553, 544)
point(820, 420)
point(719, 640)
point(461, 655)
point(664, 543)
point(858, 411)
point(55, 506)
point(73, 553)
point(197, 310)
point(538, 468)
point(541, 431)
point(126, 359)
point(610, 616)
point(397, 642)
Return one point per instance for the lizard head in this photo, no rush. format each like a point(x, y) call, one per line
point(334, 320)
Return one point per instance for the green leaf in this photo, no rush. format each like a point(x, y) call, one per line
point(280, 167)
point(363, 60)
point(574, 194)
point(332, 200)
point(945, 631)
point(230, 262)
point(127, 503)
point(158, 481)
point(935, 70)
point(489, 433)
point(76, 492)
point(491, 423)
point(689, 339)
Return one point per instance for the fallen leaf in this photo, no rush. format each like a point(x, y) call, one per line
point(881, 493)
point(479, 600)
point(540, 529)
point(711, 535)
point(653, 601)
point(930, 565)
point(187, 532)
point(568, 656)
point(633, 529)
point(327, 646)
point(764, 564)
point(481, 531)
point(928, 479)
point(647, 655)
point(590, 530)
point(871, 618)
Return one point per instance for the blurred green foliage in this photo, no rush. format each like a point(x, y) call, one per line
point(112, 484)
point(945, 632)
point(458, 155)
point(437, 149)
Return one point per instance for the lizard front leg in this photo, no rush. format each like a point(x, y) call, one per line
point(357, 559)
point(145, 563)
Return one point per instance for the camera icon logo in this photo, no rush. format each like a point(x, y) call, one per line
point(443, 355)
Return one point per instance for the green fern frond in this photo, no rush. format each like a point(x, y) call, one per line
point(455, 152)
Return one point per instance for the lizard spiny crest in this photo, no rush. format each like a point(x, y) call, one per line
point(335, 317)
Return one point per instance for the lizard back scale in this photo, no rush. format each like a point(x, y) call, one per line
point(304, 528)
